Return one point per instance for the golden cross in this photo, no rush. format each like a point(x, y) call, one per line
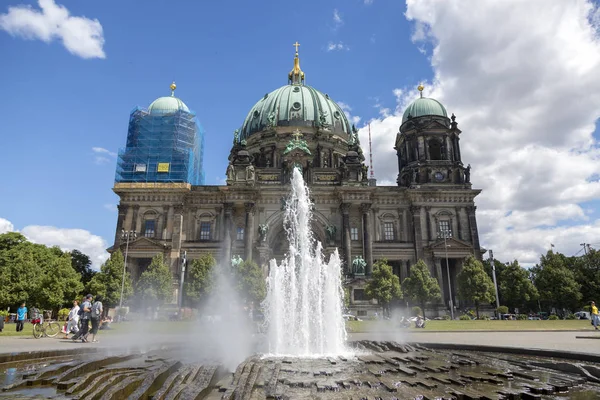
point(296, 44)
point(297, 134)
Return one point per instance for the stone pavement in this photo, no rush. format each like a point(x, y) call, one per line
point(556, 341)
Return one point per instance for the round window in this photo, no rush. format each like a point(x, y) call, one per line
point(256, 114)
point(296, 89)
point(337, 115)
point(296, 106)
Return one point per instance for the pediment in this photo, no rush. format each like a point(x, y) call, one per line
point(453, 245)
point(144, 243)
point(433, 125)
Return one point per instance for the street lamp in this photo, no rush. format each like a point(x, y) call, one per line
point(494, 276)
point(181, 278)
point(446, 233)
point(127, 236)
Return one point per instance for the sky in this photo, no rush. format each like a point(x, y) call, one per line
point(522, 77)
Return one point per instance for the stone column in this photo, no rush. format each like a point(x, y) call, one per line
point(136, 223)
point(416, 214)
point(169, 230)
point(228, 208)
point(376, 225)
point(121, 217)
point(474, 231)
point(440, 278)
point(249, 230)
point(404, 266)
point(160, 222)
point(218, 224)
point(346, 239)
point(399, 160)
point(365, 210)
point(459, 234)
point(428, 223)
point(177, 229)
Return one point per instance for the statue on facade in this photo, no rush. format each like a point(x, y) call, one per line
point(236, 261)
point(263, 229)
point(236, 137)
point(365, 176)
point(415, 176)
point(250, 172)
point(271, 120)
point(323, 120)
point(468, 174)
point(230, 173)
point(331, 230)
point(283, 203)
point(359, 265)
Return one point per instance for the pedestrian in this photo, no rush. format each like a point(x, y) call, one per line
point(86, 306)
point(96, 317)
point(21, 316)
point(73, 320)
point(595, 316)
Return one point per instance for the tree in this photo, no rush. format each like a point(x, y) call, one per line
point(83, 265)
point(60, 285)
point(474, 285)
point(384, 285)
point(155, 286)
point(200, 279)
point(20, 273)
point(515, 287)
point(108, 281)
point(420, 286)
point(250, 282)
point(556, 283)
point(587, 274)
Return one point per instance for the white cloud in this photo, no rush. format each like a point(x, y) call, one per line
point(81, 36)
point(354, 119)
point(368, 2)
point(67, 239)
point(102, 155)
point(331, 46)
point(110, 206)
point(6, 226)
point(70, 239)
point(337, 19)
point(527, 96)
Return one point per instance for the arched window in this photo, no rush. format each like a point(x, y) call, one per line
point(435, 149)
point(149, 227)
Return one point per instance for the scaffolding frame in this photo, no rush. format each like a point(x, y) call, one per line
point(162, 148)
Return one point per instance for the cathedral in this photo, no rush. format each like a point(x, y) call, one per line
point(429, 214)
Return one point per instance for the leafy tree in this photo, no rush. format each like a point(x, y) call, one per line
point(515, 287)
point(10, 240)
point(60, 284)
point(83, 265)
point(384, 285)
point(500, 267)
point(107, 282)
point(20, 271)
point(555, 282)
point(250, 282)
point(420, 286)
point(587, 274)
point(474, 285)
point(155, 286)
point(200, 279)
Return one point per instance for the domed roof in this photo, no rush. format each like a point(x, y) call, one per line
point(295, 105)
point(424, 106)
point(168, 104)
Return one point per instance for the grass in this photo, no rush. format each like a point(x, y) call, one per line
point(353, 326)
point(474, 325)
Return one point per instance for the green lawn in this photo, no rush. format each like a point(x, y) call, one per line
point(474, 325)
point(11, 330)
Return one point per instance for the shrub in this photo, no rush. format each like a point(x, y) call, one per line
point(471, 314)
point(63, 313)
point(485, 317)
point(522, 317)
point(502, 310)
point(464, 317)
point(416, 311)
point(571, 316)
point(587, 308)
point(446, 317)
point(553, 317)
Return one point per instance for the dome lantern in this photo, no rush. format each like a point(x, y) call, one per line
point(424, 106)
point(296, 76)
point(168, 104)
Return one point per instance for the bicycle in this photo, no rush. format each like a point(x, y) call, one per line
point(45, 328)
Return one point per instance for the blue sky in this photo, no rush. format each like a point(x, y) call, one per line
point(66, 93)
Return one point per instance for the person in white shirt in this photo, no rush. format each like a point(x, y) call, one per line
point(73, 319)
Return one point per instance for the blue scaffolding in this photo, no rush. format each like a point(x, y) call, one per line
point(162, 148)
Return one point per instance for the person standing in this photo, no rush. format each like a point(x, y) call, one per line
point(73, 319)
point(96, 317)
point(21, 316)
point(85, 319)
point(595, 316)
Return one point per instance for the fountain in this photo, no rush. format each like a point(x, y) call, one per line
point(303, 307)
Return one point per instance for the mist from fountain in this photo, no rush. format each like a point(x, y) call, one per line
point(304, 303)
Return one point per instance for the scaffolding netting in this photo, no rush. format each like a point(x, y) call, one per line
point(162, 148)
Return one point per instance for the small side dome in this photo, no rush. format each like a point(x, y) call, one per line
point(168, 104)
point(424, 106)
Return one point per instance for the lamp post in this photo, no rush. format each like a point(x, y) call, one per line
point(127, 236)
point(494, 276)
point(181, 278)
point(445, 233)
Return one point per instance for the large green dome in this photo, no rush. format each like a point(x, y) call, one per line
point(295, 105)
point(424, 106)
